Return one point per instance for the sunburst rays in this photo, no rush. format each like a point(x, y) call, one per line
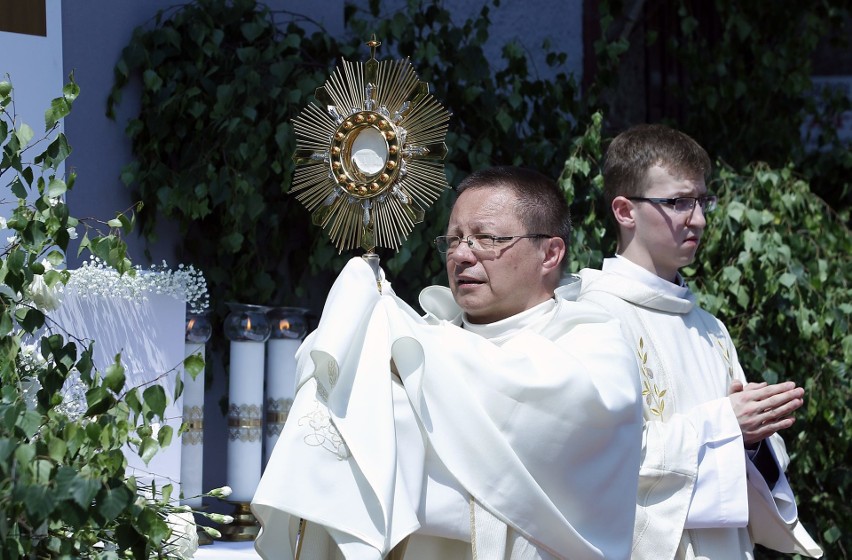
point(369, 153)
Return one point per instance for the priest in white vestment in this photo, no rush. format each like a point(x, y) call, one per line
point(503, 424)
point(712, 480)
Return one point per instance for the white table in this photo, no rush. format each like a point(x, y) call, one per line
point(225, 550)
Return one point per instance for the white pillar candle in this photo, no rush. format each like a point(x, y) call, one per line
point(192, 449)
point(280, 387)
point(245, 394)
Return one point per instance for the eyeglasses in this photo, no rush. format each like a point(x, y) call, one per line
point(683, 203)
point(480, 241)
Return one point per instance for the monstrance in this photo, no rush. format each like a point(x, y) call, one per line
point(369, 153)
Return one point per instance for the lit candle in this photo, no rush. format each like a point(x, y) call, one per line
point(198, 331)
point(288, 328)
point(247, 328)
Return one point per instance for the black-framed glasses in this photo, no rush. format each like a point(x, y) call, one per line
point(480, 241)
point(681, 204)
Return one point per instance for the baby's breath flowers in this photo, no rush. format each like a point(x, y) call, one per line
point(95, 278)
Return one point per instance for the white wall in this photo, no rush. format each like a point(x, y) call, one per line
point(34, 66)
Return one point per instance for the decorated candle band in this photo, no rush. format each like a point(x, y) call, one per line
point(244, 422)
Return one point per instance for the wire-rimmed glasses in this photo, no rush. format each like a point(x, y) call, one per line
point(481, 242)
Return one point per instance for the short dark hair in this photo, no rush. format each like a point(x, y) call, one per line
point(541, 205)
point(633, 152)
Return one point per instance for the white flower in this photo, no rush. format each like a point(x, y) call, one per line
point(221, 492)
point(212, 532)
point(43, 296)
point(184, 539)
point(3, 224)
point(220, 518)
point(72, 233)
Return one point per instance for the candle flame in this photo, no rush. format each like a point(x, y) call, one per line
point(248, 323)
point(283, 325)
point(190, 325)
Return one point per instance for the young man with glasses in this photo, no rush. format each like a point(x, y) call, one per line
point(505, 424)
point(711, 482)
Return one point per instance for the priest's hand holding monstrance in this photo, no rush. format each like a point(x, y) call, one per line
point(369, 154)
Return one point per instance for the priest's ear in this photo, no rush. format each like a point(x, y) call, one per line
point(554, 253)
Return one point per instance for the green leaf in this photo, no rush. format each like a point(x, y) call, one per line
point(115, 378)
point(83, 490)
point(167, 491)
point(112, 501)
point(7, 447)
point(55, 258)
point(30, 319)
point(56, 187)
point(39, 502)
point(24, 134)
point(152, 526)
point(18, 188)
point(99, 400)
point(56, 449)
point(164, 435)
point(193, 365)
point(787, 279)
point(29, 422)
point(153, 82)
point(148, 448)
point(25, 453)
point(59, 109)
point(154, 398)
point(252, 30)
point(731, 274)
point(832, 534)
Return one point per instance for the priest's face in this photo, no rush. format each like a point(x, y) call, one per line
point(491, 284)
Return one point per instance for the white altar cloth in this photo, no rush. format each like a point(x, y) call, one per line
point(224, 550)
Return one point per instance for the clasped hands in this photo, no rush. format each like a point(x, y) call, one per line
point(763, 409)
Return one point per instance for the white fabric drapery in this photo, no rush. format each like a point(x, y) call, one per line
point(542, 428)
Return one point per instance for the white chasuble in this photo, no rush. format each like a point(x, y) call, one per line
point(520, 441)
point(700, 497)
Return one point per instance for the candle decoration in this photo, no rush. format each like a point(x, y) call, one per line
point(247, 327)
point(289, 326)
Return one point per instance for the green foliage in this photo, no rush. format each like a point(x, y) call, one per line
point(582, 183)
point(749, 90)
point(63, 488)
point(776, 265)
point(221, 82)
point(213, 141)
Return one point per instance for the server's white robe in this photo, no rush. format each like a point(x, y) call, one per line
point(700, 496)
point(526, 435)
